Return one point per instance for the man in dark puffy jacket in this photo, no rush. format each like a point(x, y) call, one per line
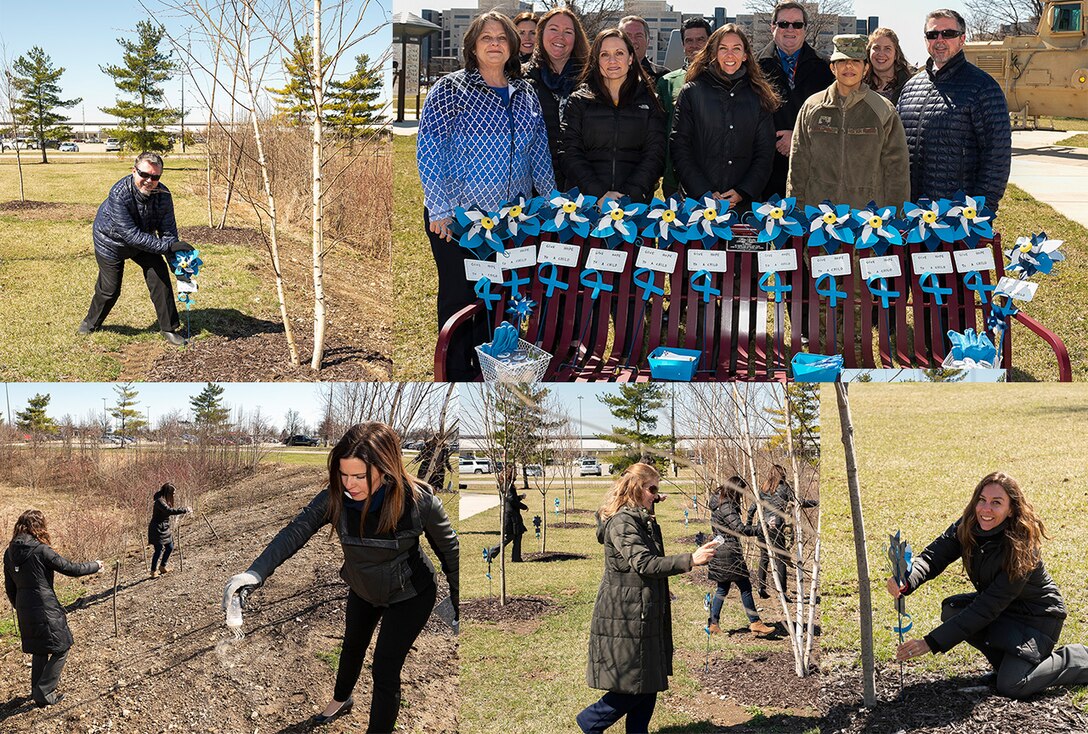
point(136, 222)
point(956, 120)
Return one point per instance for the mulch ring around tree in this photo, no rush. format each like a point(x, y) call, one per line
point(203, 235)
point(551, 556)
point(934, 702)
point(764, 678)
point(51, 210)
point(517, 610)
point(568, 524)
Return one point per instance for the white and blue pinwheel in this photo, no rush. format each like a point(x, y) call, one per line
point(878, 230)
point(971, 350)
point(481, 231)
point(972, 220)
point(926, 223)
point(667, 222)
point(710, 220)
point(619, 222)
point(569, 214)
point(1035, 254)
point(521, 218)
point(830, 226)
point(777, 221)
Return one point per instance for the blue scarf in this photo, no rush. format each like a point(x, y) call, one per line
point(376, 500)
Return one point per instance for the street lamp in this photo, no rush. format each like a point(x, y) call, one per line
point(581, 427)
point(105, 424)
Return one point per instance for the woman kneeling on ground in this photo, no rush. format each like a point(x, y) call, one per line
point(1015, 616)
point(630, 638)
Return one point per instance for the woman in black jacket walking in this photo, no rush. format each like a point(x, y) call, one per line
point(723, 135)
point(630, 638)
point(1016, 614)
point(29, 565)
point(776, 495)
point(513, 526)
point(727, 567)
point(379, 513)
point(159, 533)
point(613, 131)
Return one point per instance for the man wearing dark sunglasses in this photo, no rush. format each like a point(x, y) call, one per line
point(956, 120)
point(136, 222)
point(797, 72)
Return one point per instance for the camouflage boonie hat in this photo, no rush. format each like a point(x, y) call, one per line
point(849, 47)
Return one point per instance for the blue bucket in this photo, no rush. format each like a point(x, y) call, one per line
point(816, 367)
point(679, 366)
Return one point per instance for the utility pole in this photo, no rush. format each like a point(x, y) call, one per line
point(581, 428)
point(675, 468)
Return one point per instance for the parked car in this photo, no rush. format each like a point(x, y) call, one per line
point(113, 145)
point(534, 470)
point(474, 466)
point(300, 440)
point(69, 147)
point(117, 438)
point(589, 467)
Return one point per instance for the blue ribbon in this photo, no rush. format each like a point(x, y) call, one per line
point(831, 292)
point(930, 283)
point(483, 292)
point(647, 286)
point(515, 282)
point(706, 288)
point(597, 285)
point(973, 281)
point(901, 628)
point(878, 286)
point(1000, 313)
point(779, 289)
point(552, 281)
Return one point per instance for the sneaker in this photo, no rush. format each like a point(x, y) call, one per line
point(759, 628)
point(174, 338)
point(58, 699)
point(715, 629)
point(85, 328)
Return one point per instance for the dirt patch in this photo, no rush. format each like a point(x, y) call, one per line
point(515, 615)
point(31, 211)
point(569, 525)
point(204, 235)
point(552, 556)
point(933, 702)
point(712, 714)
point(759, 679)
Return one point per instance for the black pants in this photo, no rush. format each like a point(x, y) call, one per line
point(637, 707)
point(454, 293)
point(45, 675)
point(778, 541)
point(515, 552)
point(401, 624)
point(108, 289)
point(163, 549)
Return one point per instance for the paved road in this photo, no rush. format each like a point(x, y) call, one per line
point(1057, 175)
point(474, 504)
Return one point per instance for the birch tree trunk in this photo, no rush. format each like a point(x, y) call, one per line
point(318, 237)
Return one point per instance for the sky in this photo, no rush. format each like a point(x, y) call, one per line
point(80, 36)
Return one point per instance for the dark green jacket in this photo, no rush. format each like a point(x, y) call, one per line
point(630, 638)
point(668, 89)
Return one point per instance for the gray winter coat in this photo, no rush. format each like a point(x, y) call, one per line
point(381, 568)
point(630, 638)
point(29, 565)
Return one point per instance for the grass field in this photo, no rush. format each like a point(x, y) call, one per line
point(530, 676)
point(1079, 140)
point(921, 450)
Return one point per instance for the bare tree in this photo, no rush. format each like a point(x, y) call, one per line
point(596, 15)
point(822, 16)
point(8, 97)
point(991, 20)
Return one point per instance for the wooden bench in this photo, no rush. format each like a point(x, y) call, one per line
point(743, 333)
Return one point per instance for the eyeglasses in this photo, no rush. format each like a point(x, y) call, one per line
point(145, 175)
point(784, 24)
point(947, 33)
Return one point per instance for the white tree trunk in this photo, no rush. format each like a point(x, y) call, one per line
point(318, 237)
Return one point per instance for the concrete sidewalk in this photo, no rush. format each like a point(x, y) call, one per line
point(1055, 175)
point(474, 504)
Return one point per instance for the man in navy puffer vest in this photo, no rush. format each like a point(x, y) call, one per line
point(956, 120)
point(136, 222)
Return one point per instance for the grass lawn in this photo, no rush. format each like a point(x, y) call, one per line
point(1020, 214)
point(529, 676)
point(921, 449)
point(1080, 140)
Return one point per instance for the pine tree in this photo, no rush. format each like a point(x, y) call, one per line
point(34, 81)
point(353, 104)
point(144, 70)
point(296, 98)
point(34, 420)
point(132, 420)
point(638, 404)
point(805, 403)
point(208, 408)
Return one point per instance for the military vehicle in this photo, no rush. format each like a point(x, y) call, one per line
point(1045, 74)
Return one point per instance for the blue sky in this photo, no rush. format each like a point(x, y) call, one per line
point(81, 36)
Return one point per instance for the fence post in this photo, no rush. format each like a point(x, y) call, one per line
point(116, 575)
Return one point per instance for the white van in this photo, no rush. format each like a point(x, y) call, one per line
point(589, 467)
point(472, 465)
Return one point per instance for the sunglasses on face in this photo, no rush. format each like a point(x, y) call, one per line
point(795, 24)
point(652, 489)
point(947, 33)
point(145, 175)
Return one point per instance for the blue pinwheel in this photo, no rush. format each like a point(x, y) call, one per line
point(778, 221)
point(568, 214)
point(619, 223)
point(710, 220)
point(186, 266)
point(878, 229)
point(972, 219)
point(521, 308)
point(521, 217)
point(667, 222)
point(901, 560)
point(830, 226)
point(926, 223)
point(1035, 254)
point(478, 231)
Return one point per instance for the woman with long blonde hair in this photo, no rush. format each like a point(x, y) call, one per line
point(1016, 614)
point(888, 67)
point(630, 638)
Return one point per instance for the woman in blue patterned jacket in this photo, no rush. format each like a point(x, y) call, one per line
point(482, 141)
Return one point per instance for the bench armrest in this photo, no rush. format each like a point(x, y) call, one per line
point(442, 346)
point(1065, 371)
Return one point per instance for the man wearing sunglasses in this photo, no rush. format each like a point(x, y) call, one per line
point(797, 72)
point(136, 222)
point(956, 120)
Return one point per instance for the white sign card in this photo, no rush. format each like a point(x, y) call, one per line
point(186, 286)
point(837, 264)
point(558, 253)
point(660, 261)
point(968, 261)
point(476, 269)
point(931, 262)
point(886, 266)
point(1020, 290)
point(517, 257)
point(777, 261)
point(712, 261)
point(610, 261)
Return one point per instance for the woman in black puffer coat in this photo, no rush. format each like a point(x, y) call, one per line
point(1016, 613)
point(727, 567)
point(723, 135)
point(29, 565)
point(159, 533)
point(613, 131)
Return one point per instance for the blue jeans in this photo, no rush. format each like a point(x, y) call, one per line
point(637, 707)
point(164, 550)
point(746, 599)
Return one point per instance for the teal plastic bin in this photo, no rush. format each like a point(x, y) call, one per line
point(816, 367)
point(671, 363)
